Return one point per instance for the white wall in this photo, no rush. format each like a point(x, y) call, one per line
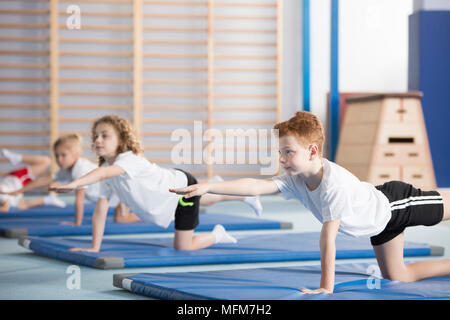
point(373, 48)
point(431, 5)
point(292, 93)
point(374, 45)
point(320, 56)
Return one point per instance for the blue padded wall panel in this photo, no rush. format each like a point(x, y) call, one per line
point(429, 72)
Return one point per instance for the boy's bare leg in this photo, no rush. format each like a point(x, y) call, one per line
point(210, 199)
point(390, 260)
point(23, 205)
point(37, 164)
point(446, 197)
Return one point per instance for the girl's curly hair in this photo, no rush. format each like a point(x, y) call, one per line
point(127, 138)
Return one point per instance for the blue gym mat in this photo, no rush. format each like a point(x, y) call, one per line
point(126, 253)
point(353, 281)
point(49, 211)
point(51, 227)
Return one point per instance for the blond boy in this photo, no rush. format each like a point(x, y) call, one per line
point(68, 150)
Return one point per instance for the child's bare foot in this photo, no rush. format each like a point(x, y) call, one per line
point(128, 218)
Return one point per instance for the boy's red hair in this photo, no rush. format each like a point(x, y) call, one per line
point(306, 127)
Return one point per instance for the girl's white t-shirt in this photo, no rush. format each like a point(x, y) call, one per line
point(82, 167)
point(144, 188)
point(363, 209)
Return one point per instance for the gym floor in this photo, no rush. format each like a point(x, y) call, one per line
point(25, 275)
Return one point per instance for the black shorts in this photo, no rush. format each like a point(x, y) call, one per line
point(409, 207)
point(186, 216)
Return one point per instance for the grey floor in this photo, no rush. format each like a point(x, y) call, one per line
point(25, 275)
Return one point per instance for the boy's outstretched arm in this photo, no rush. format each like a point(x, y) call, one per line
point(92, 177)
point(327, 257)
point(239, 187)
point(38, 183)
point(79, 208)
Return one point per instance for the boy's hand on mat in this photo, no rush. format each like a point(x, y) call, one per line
point(63, 188)
point(315, 291)
point(192, 190)
point(84, 249)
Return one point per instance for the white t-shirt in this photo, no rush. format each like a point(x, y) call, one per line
point(10, 183)
point(363, 210)
point(82, 167)
point(144, 188)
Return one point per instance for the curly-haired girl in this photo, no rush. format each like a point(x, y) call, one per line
point(144, 188)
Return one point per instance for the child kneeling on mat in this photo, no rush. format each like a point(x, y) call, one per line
point(12, 184)
point(68, 154)
point(343, 203)
point(144, 188)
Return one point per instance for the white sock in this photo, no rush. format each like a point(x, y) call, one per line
point(222, 235)
point(13, 157)
point(52, 200)
point(255, 204)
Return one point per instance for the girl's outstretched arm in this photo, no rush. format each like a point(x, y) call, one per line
point(98, 226)
point(239, 187)
point(92, 177)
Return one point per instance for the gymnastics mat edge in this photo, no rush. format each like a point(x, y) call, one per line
point(286, 225)
point(109, 263)
point(99, 263)
point(121, 281)
point(24, 241)
point(14, 233)
point(436, 250)
point(118, 280)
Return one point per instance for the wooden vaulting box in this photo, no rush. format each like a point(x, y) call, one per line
point(383, 138)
